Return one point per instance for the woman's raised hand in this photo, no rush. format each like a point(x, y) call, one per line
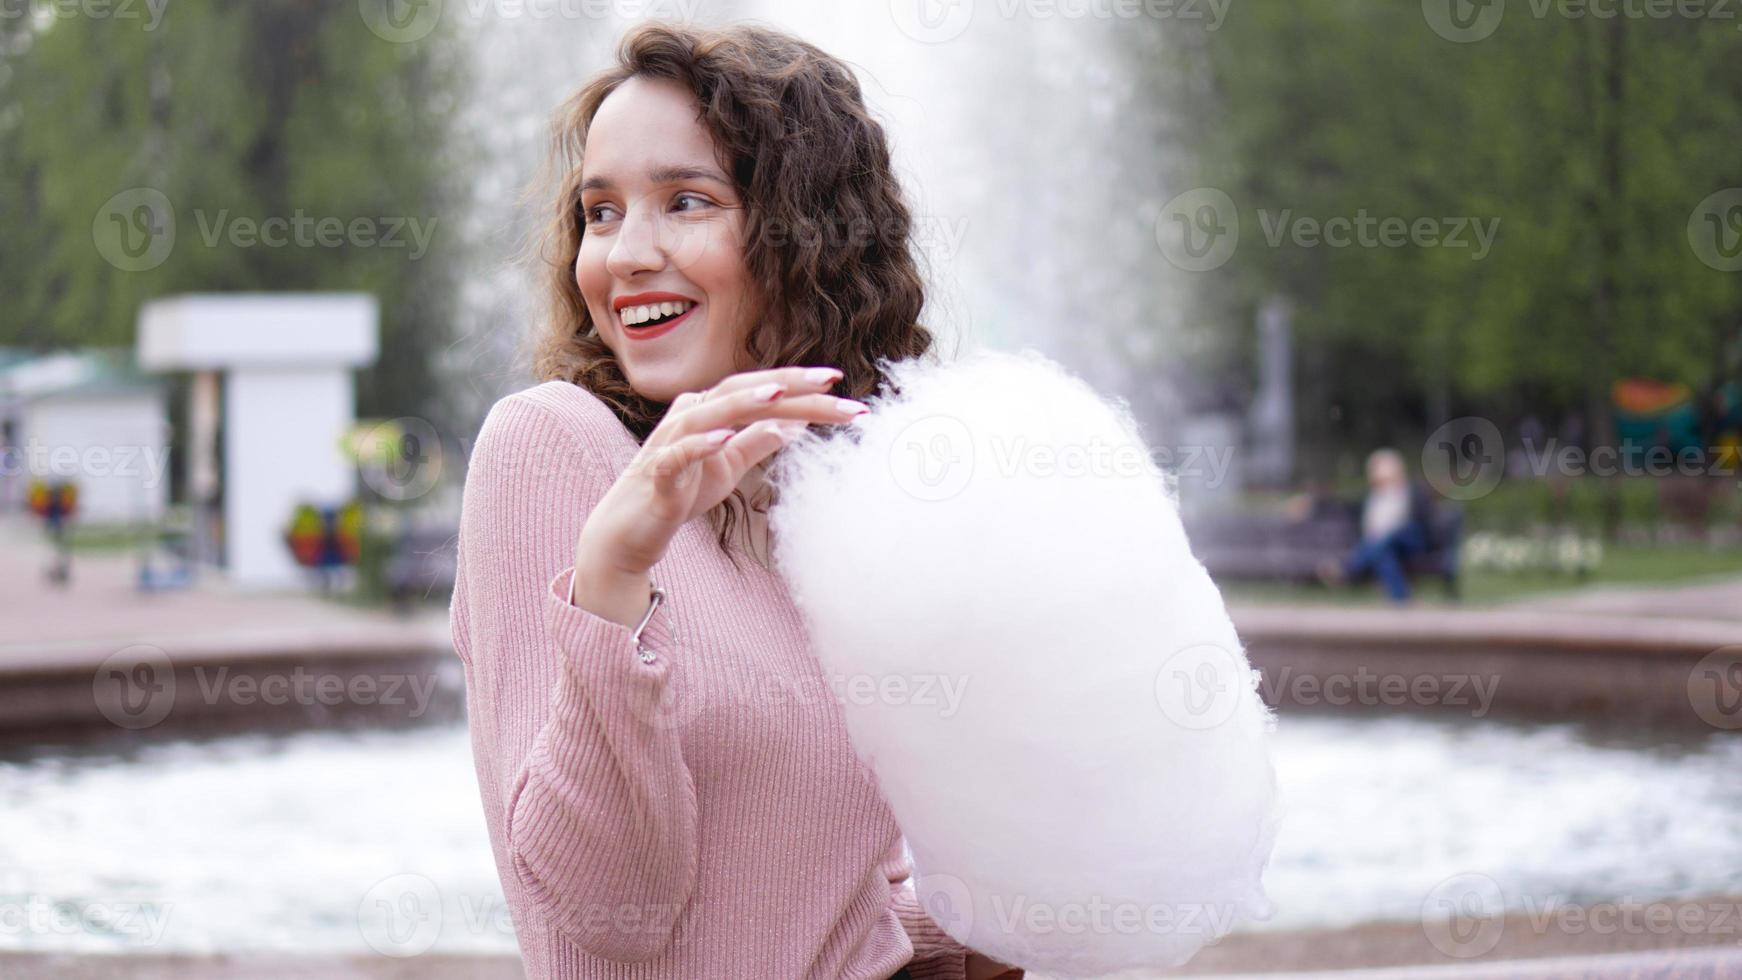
point(699, 452)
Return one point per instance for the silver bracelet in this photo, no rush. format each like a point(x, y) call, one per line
point(658, 596)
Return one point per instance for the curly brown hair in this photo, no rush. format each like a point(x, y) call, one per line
point(827, 231)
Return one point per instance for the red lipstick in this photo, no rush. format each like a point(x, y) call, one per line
point(642, 299)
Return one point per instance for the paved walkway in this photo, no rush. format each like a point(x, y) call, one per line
point(1699, 614)
point(1705, 600)
point(1631, 655)
point(1635, 647)
point(71, 658)
point(101, 611)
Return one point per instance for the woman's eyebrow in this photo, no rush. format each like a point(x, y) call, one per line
point(667, 174)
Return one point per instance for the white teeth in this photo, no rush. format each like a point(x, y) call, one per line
point(633, 315)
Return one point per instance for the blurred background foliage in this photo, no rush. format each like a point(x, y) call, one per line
point(234, 110)
point(1592, 141)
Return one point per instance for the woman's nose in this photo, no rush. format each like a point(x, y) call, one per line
point(638, 245)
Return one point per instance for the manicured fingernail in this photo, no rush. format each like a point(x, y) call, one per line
point(718, 436)
point(817, 376)
point(849, 407)
point(769, 392)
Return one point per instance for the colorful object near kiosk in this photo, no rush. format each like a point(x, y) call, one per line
point(53, 502)
point(326, 537)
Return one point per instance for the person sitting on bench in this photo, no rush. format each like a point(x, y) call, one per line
point(1396, 523)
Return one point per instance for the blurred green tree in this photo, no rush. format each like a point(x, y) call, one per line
point(1592, 141)
point(229, 145)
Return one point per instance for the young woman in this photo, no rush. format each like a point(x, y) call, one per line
point(670, 790)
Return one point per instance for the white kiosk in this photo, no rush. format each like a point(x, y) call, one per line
point(287, 399)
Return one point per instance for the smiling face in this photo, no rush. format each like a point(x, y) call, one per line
point(661, 260)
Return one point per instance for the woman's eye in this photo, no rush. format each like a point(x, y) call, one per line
point(700, 200)
point(605, 213)
point(597, 214)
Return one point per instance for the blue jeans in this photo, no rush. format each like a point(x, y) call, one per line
point(1384, 557)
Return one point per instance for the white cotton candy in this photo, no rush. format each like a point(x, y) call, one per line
point(1043, 679)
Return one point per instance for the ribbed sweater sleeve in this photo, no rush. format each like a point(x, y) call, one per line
point(600, 808)
point(936, 954)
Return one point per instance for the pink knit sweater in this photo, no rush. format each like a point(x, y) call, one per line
point(699, 815)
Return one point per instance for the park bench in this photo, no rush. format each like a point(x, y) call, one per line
point(1271, 547)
